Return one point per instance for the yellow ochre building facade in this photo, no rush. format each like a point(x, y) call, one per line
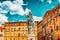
point(1, 34)
point(19, 31)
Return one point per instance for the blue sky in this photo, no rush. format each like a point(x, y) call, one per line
point(15, 10)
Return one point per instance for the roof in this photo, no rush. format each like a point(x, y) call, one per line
point(15, 22)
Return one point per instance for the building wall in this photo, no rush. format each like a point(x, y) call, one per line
point(51, 23)
point(1, 34)
point(19, 31)
point(39, 31)
point(15, 31)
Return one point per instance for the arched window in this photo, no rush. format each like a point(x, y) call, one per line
point(19, 29)
point(56, 27)
point(51, 30)
point(50, 17)
point(58, 38)
point(18, 34)
point(14, 29)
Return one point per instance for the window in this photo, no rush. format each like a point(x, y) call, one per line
point(22, 38)
point(14, 29)
point(50, 17)
point(18, 34)
point(43, 38)
point(22, 24)
point(44, 31)
point(13, 24)
point(1, 30)
point(47, 38)
point(59, 12)
point(58, 38)
point(31, 39)
point(26, 29)
point(56, 27)
point(50, 37)
point(6, 30)
point(19, 29)
point(46, 21)
point(6, 25)
point(51, 30)
point(1, 35)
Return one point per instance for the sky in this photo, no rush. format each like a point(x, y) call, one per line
point(16, 10)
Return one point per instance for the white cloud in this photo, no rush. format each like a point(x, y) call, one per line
point(49, 1)
point(3, 11)
point(17, 9)
point(9, 4)
point(20, 2)
point(14, 7)
point(58, 0)
point(36, 18)
point(3, 19)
